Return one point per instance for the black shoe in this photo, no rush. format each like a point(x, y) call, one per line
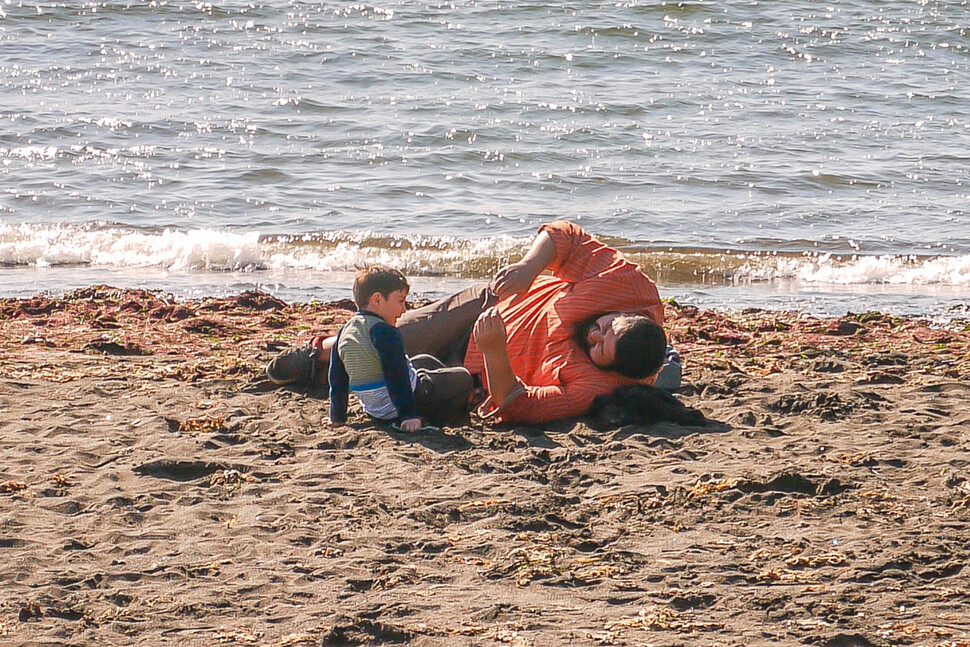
point(293, 366)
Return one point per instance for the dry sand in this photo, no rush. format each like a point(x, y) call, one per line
point(155, 491)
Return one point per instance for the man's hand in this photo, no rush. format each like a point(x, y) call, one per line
point(489, 331)
point(514, 279)
point(517, 278)
point(411, 425)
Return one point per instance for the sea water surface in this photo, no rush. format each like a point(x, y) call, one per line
point(800, 154)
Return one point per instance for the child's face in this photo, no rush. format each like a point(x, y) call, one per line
point(391, 308)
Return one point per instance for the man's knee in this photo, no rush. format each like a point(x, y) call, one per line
point(440, 327)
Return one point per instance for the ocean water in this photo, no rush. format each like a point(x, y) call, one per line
point(807, 155)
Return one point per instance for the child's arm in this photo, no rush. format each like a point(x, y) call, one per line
point(390, 348)
point(339, 387)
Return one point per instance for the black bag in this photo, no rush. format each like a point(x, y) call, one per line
point(644, 405)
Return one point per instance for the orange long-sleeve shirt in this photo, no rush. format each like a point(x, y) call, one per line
point(559, 379)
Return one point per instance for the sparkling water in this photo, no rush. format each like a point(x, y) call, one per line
point(795, 155)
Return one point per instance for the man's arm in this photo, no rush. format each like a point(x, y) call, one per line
point(580, 256)
point(517, 278)
point(540, 404)
point(602, 279)
point(568, 251)
point(490, 334)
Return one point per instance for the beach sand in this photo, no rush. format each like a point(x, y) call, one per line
point(155, 490)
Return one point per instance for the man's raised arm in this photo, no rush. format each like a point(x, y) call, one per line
point(517, 278)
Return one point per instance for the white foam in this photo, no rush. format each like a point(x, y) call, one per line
point(201, 249)
point(218, 250)
point(413, 255)
point(828, 269)
point(209, 249)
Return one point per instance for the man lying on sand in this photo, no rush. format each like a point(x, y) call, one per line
point(543, 346)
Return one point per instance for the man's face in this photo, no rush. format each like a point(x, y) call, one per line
point(602, 335)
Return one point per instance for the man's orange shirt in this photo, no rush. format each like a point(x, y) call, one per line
point(559, 379)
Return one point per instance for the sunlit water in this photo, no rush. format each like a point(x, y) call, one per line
point(794, 155)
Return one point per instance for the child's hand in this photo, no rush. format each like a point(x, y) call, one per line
point(411, 425)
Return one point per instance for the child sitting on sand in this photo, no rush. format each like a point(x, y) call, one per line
point(368, 358)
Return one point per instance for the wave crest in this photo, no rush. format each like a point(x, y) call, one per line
point(105, 245)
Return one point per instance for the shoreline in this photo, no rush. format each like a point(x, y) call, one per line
point(155, 488)
point(940, 303)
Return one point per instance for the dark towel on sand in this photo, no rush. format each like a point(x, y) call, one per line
point(642, 404)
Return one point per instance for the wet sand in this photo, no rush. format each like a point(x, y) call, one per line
point(156, 490)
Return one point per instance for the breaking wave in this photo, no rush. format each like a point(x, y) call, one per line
point(105, 245)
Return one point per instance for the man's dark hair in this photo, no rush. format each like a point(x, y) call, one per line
point(640, 351)
point(377, 279)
